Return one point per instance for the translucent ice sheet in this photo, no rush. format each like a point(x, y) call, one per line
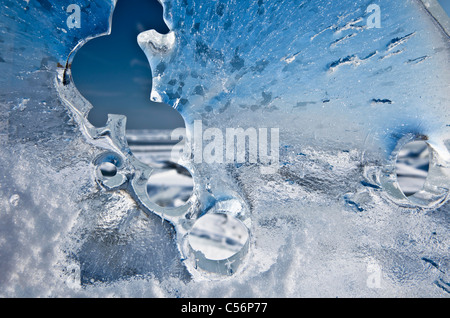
point(337, 86)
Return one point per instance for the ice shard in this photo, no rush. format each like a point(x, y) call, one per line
point(336, 88)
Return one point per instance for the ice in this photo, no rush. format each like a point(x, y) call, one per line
point(76, 215)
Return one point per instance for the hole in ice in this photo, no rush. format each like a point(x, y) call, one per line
point(218, 236)
point(113, 73)
point(170, 186)
point(107, 165)
point(412, 167)
point(107, 169)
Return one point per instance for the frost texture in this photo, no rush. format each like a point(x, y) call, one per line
point(331, 222)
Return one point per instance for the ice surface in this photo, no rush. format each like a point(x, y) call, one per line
point(330, 222)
